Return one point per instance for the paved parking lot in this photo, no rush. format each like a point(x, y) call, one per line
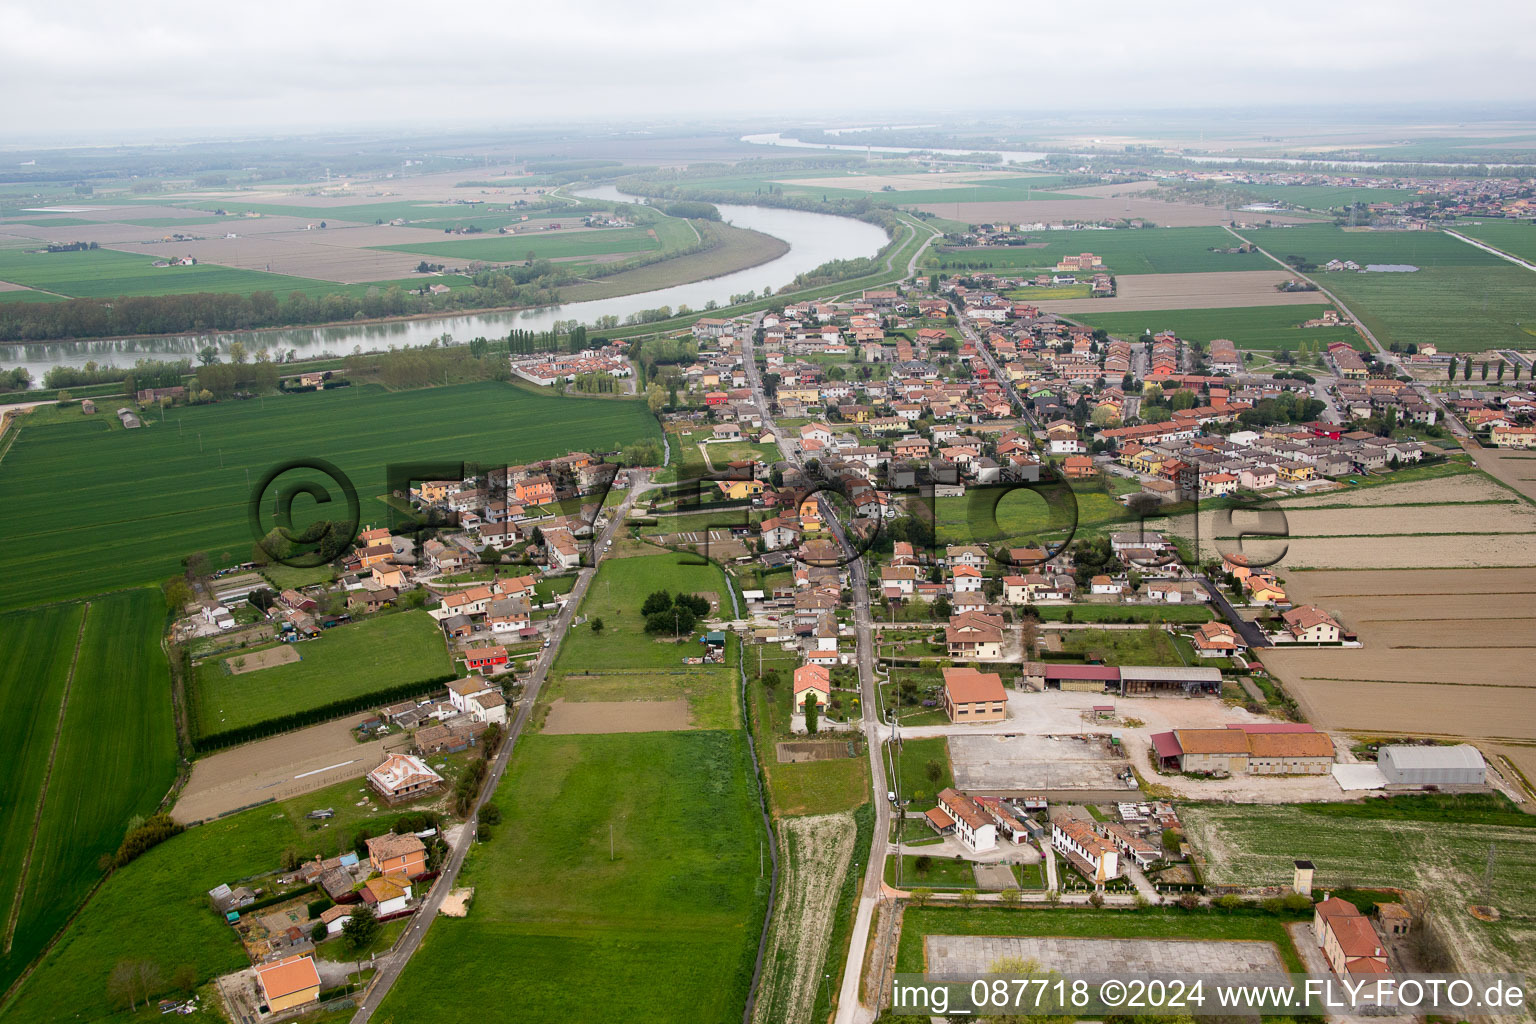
point(1035, 763)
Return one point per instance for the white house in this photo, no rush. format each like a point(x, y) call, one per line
point(971, 825)
point(1092, 854)
point(460, 692)
point(966, 579)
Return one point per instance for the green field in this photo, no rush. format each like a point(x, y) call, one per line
point(668, 920)
point(184, 485)
point(1139, 251)
point(29, 296)
point(1320, 243)
point(1516, 237)
point(1459, 309)
point(623, 662)
point(1269, 328)
point(547, 245)
point(991, 516)
point(156, 909)
point(107, 273)
point(346, 661)
point(1081, 922)
point(1424, 843)
point(1318, 197)
point(995, 190)
point(116, 753)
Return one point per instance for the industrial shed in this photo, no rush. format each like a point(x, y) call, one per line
point(1151, 678)
point(1460, 765)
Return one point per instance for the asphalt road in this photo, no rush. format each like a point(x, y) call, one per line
point(391, 964)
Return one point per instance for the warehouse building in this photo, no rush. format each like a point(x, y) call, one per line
point(1460, 765)
point(1132, 679)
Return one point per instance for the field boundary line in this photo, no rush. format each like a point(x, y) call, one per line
point(42, 796)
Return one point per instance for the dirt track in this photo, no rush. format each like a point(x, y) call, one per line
point(269, 769)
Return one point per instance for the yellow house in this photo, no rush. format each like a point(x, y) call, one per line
point(288, 983)
point(808, 395)
point(710, 378)
point(1262, 591)
point(1295, 472)
point(810, 515)
point(1147, 461)
point(738, 489)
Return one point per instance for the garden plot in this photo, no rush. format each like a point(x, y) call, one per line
point(1438, 491)
point(813, 856)
point(270, 658)
point(1034, 764)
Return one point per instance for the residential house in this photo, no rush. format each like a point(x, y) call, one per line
point(1310, 624)
point(403, 777)
point(812, 680)
point(959, 815)
point(1086, 850)
point(972, 696)
point(288, 983)
point(394, 854)
point(1348, 941)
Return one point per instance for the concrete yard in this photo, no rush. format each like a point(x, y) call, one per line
point(975, 954)
point(1036, 764)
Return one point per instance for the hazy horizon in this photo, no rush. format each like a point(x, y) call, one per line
point(101, 72)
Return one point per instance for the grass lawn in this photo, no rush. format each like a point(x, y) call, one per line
point(1270, 328)
point(921, 871)
point(1138, 251)
point(1438, 844)
point(668, 919)
point(623, 662)
point(913, 760)
point(1150, 646)
point(156, 908)
point(348, 660)
point(1018, 516)
point(1082, 922)
point(115, 757)
point(1125, 612)
point(184, 485)
point(543, 245)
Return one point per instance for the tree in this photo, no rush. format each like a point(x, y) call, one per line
point(597, 625)
point(178, 593)
point(656, 601)
point(361, 928)
point(933, 770)
point(1010, 896)
point(1483, 370)
point(655, 398)
point(1466, 369)
point(811, 708)
point(1450, 369)
point(1096, 900)
point(237, 352)
point(1502, 366)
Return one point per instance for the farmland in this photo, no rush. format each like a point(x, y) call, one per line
point(670, 917)
point(1128, 252)
point(1460, 309)
point(1516, 237)
point(183, 485)
point(1409, 842)
point(115, 756)
point(1269, 328)
point(347, 661)
point(1259, 286)
point(814, 853)
point(545, 245)
point(155, 910)
point(1319, 243)
point(107, 273)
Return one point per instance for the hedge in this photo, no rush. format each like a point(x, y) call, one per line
point(314, 716)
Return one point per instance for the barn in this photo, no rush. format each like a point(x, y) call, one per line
point(1460, 765)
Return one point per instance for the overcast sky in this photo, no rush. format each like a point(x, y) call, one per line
point(121, 69)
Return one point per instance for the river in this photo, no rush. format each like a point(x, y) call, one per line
point(814, 238)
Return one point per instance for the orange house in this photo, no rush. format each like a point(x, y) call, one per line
point(392, 854)
point(535, 490)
